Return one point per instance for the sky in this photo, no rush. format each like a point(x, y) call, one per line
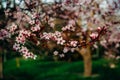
point(48, 0)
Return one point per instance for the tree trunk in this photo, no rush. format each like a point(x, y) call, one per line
point(1, 64)
point(86, 54)
point(17, 62)
point(87, 65)
point(1, 68)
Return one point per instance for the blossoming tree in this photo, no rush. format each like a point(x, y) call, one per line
point(70, 25)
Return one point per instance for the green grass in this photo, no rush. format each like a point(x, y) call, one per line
point(49, 70)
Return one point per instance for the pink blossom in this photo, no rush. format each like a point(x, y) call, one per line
point(62, 55)
point(118, 57)
point(55, 53)
point(4, 34)
point(66, 49)
point(23, 50)
point(46, 36)
point(57, 34)
point(16, 46)
point(12, 28)
point(71, 22)
point(36, 28)
point(60, 41)
point(99, 28)
point(29, 55)
point(73, 43)
point(31, 22)
point(20, 39)
point(93, 35)
point(52, 24)
point(34, 15)
point(53, 36)
point(69, 28)
point(25, 33)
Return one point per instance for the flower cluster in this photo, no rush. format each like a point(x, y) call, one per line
point(47, 36)
point(68, 28)
point(23, 34)
point(12, 28)
point(73, 43)
point(66, 49)
point(36, 28)
point(51, 22)
point(93, 36)
point(20, 39)
point(25, 52)
point(31, 22)
point(53, 36)
point(4, 34)
point(16, 46)
point(60, 41)
point(63, 53)
point(56, 53)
